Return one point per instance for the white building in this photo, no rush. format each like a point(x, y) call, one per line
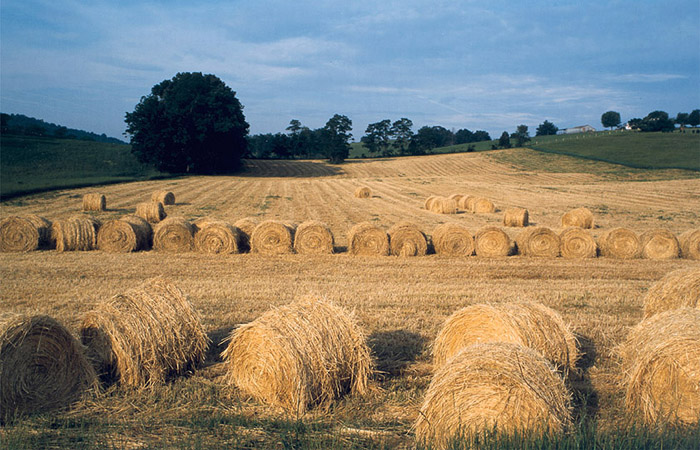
point(579, 129)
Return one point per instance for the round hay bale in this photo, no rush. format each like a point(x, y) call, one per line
point(164, 197)
point(579, 217)
point(42, 366)
point(367, 239)
point(660, 244)
point(453, 239)
point(299, 356)
point(538, 242)
point(363, 192)
point(127, 234)
point(24, 233)
point(467, 203)
point(272, 237)
point(152, 212)
point(528, 324)
point(690, 244)
point(406, 239)
point(246, 225)
point(495, 386)
point(620, 243)
point(577, 243)
point(678, 289)
point(173, 235)
point(216, 236)
point(483, 205)
point(662, 358)
point(313, 238)
point(144, 336)
point(516, 217)
point(94, 202)
point(77, 233)
point(442, 205)
point(492, 241)
point(456, 198)
point(429, 202)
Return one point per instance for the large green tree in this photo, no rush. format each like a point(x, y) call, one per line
point(504, 140)
point(336, 138)
point(191, 123)
point(521, 135)
point(657, 121)
point(546, 128)
point(694, 118)
point(376, 139)
point(402, 134)
point(610, 119)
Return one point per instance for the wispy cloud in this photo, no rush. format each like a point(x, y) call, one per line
point(646, 77)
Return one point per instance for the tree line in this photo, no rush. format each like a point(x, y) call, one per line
point(21, 125)
point(654, 121)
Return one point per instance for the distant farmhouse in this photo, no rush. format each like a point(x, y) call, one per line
point(579, 129)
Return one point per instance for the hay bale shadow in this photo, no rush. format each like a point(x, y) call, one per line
point(218, 340)
point(585, 397)
point(395, 350)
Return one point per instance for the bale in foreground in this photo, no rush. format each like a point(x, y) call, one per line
point(516, 217)
point(313, 238)
point(363, 192)
point(620, 243)
point(298, 356)
point(152, 212)
point(690, 244)
point(164, 197)
point(538, 242)
point(678, 289)
point(77, 233)
point(24, 233)
point(144, 336)
point(577, 243)
point(492, 241)
point(173, 235)
point(273, 237)
point(406, 239)
point(42, 366)
point(453, 239)
point(493, 387)
point(127, 234)
point(367, 239)
point(579, 217)
point(94, 202)
point(660, 244)
point(216, 237)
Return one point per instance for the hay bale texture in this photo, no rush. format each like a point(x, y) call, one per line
point(77, 233)
point(443, 205)
point(127, 234)
point(164, 197)
point(368, 239)
point(538, 242)
point(429, 202)
point(620, 243)
point(482, 205)
point(94, 202)
point(577, 243)
point(305, 354)
point(173, 235)
point(24, 233)
point(492, 241)
point(363, 192)
point(579, 217)
point(246, 226)
point(144, 336)
point(505, 387)
point(313, 238)
point(660, 244)
point(406, 239)
point(690, 244)
point(452, 239)
point(152, 212)
point(273, 237)
point(42, 366)
point(678, 289)
point(516, 217)
point(467, 203)
point(215, 236)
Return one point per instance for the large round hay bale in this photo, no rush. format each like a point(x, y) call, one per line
point(483, 205)
point(453, 239)
point(662, 359)
point(368, 239)
point(173, 235)
point(467, 203)
point(363, 192)
point(145, 335)
point(216, 237)
point(246, 226)
point(579, 217)
point(77, 233)
point(495, 386)
point(127, 234)
point(298, 356)
point(620, 243)
point(24, 233)
point(678, 289)
point(273, 237)
point(152, 212)
point(660, 244)
point(94, 202)
point(164, 197)
point(538, 242)
point(577, 243)
point(492, 241)
point(523, 323)
point(516, 217)
point(42, 366)
point(313, 238)
point(429, 202)
point(406, 239)
point(442, 205)
point(690, 244)
point(456, 198)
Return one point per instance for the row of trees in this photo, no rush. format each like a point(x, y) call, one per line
point(654, 121)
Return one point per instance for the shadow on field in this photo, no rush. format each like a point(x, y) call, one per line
point(394, 350)
point(218, 342)
point(289, 168)
point(585, 398)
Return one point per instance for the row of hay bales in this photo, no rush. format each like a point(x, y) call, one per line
point(451, 204)
point(95, 201)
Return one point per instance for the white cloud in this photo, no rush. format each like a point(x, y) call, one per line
point(646, 77)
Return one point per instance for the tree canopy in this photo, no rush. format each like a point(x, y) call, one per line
point(610, 119)
point(521, 135)
point(336, 138)
point(546, 128)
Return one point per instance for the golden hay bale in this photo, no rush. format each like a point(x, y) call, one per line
point(153, 212)
point(620, 243)
point(493, 386)
point(483, 205)
point(145, 335)
point(660, 244)
point(456, 197)
point(164, 197)
point(367, 239)
point(314, 238)
point(453, 239)
point(173, 235)
point(94, 202)
point(429, 202)
point(523, 323)
point(538, 242)
point(467, 203)
point(216, 236)
point(678, 289)
point(42, 366)
point(127, 234)
point(24, 233)
point(662, 358)
point(246, 226)
point(406, 239)
point(363, 192)
point(690, 244)
point(305, 354)
point(492, 241)
point(77, 233)
point(273, 237)
point(576, 243)
point(442, 205)
point(579, 217)
point(516, 217)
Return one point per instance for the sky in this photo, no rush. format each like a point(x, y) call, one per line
point(459, 64)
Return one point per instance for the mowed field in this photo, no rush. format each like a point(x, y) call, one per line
point(399, 302)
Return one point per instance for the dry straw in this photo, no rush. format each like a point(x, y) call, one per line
point(313, 238)
point(127, 234)
point(173, 235)
point(164, 197)
point(678, 289)
point(490, 387)
point(492, 241)
point(406, 239)
point(620, 243)
point(660, 244)
point(429, 202)
point(579, 217)
point(662, 359)
point(368, 239)
point(442, 205)
point(273, 237)
point(483, 205)
point(456, 198)
point(42, 366)
point(690, 244)
point(577, 243)
point(246, 226)
point(77, 233)
point(153, 212)
point(363, 192)
point(538, 242)
point(24, 233)
point(94, 202)
point(145, 335)
point(216, 236)
point(467, 203)
point(298, 356)
point(516, 217)
point(453, 239)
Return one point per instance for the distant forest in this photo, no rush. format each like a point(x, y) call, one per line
point(19, 124)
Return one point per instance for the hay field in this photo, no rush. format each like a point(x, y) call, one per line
point(400, 302)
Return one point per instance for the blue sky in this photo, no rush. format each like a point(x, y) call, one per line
point(459, 64)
